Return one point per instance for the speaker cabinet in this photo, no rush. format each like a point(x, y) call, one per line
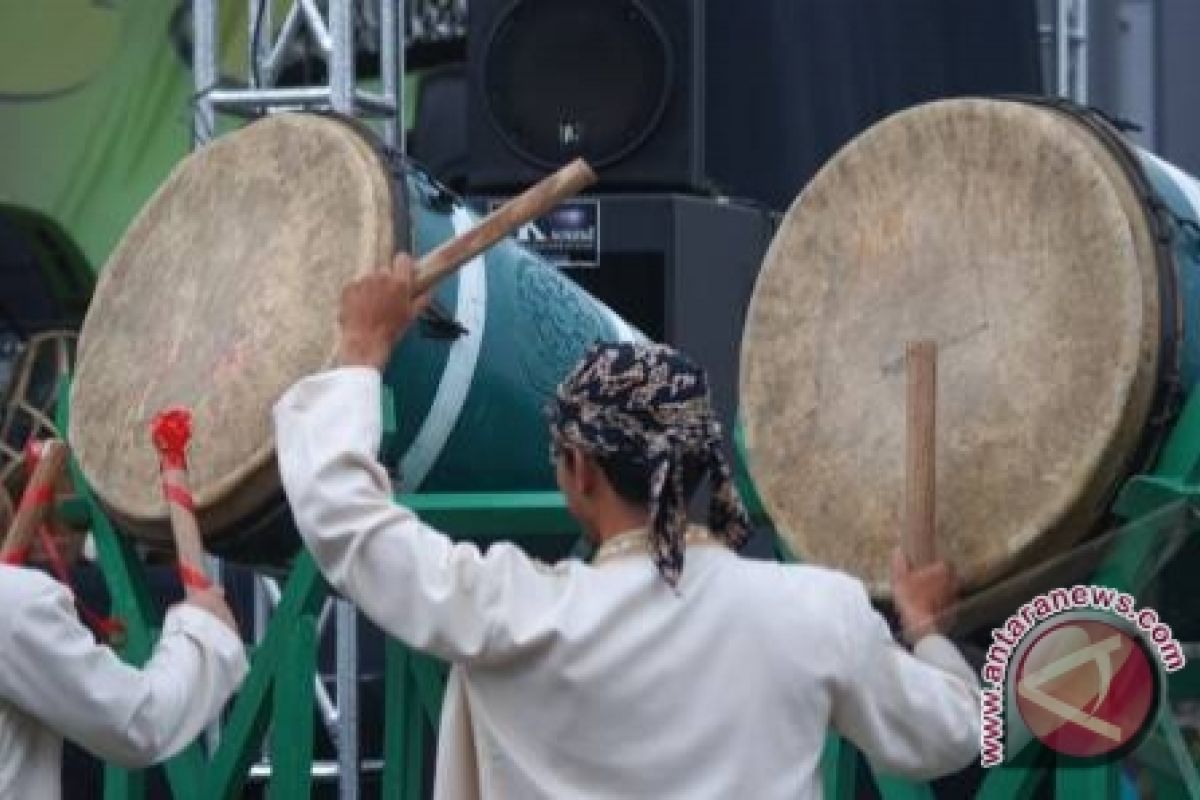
point(618, 82)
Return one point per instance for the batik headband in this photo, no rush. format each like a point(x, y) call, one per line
point(649, 404)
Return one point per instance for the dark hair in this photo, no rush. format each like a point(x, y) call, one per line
point(630, 478)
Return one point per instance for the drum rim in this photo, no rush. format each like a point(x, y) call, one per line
point(1168, 395)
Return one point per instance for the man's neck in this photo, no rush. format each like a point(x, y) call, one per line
point(618, 521)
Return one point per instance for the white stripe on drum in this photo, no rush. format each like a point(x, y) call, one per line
point(1186, 184)
point(624, 331)
point(459, 372)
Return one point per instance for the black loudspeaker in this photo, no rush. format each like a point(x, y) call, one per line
point(439, 137)
point(618, 82)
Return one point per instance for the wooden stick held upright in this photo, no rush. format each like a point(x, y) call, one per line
point(921, 473)
point(525, 207)
point(171, 432)
point(36, 501)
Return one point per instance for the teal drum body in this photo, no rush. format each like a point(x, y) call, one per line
point(469, 390)
point(224, 292)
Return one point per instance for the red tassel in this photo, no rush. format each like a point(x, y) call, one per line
point(193, 578)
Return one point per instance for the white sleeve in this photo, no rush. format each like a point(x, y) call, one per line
point(412, 581)
point(915, 715)
point(54, 670)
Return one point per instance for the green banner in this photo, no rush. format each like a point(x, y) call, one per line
point(94, 107)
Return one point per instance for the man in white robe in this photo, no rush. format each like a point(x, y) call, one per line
point(56, 682)
point(638, 675)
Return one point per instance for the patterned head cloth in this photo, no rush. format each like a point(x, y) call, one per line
point(647, 404)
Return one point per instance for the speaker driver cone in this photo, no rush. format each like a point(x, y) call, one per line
point(586, 78)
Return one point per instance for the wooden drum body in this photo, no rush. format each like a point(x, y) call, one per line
point(224, 292)
point(1031, 242)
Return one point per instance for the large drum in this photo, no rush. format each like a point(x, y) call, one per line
point(1056, 266)
point(224, 292)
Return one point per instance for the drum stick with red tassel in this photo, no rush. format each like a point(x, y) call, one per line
point(524, 208)
point(171, 432)
point(38, 497)
point(921, 473)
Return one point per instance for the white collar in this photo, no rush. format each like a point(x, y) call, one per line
point(638, 541)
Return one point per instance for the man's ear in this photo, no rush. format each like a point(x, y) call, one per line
point(583, 470)
point(588, 473)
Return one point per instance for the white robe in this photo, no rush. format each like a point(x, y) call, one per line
point(600, 681)
point(56, 682)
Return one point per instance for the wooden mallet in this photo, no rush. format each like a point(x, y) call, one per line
point(171, 432)
point(36, 501)
point(921, 446)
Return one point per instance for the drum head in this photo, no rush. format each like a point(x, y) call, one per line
point(1005, 232)
point(223, 293)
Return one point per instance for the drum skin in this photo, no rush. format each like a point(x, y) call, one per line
point(224, 292)
point(1009, 233)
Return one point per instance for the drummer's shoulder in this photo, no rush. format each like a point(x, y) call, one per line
point(19, 582)
point(825, 582)
point(22, 588)
point(506, 555)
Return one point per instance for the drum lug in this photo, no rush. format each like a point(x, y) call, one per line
point(1160, 220)
point(1172, 403)
point(1168, 225)
point(1120, 123)
point(436, 196)
point(437, 323)
point(1191, 228)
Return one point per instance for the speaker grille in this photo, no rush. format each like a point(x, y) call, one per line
point(584, 78)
